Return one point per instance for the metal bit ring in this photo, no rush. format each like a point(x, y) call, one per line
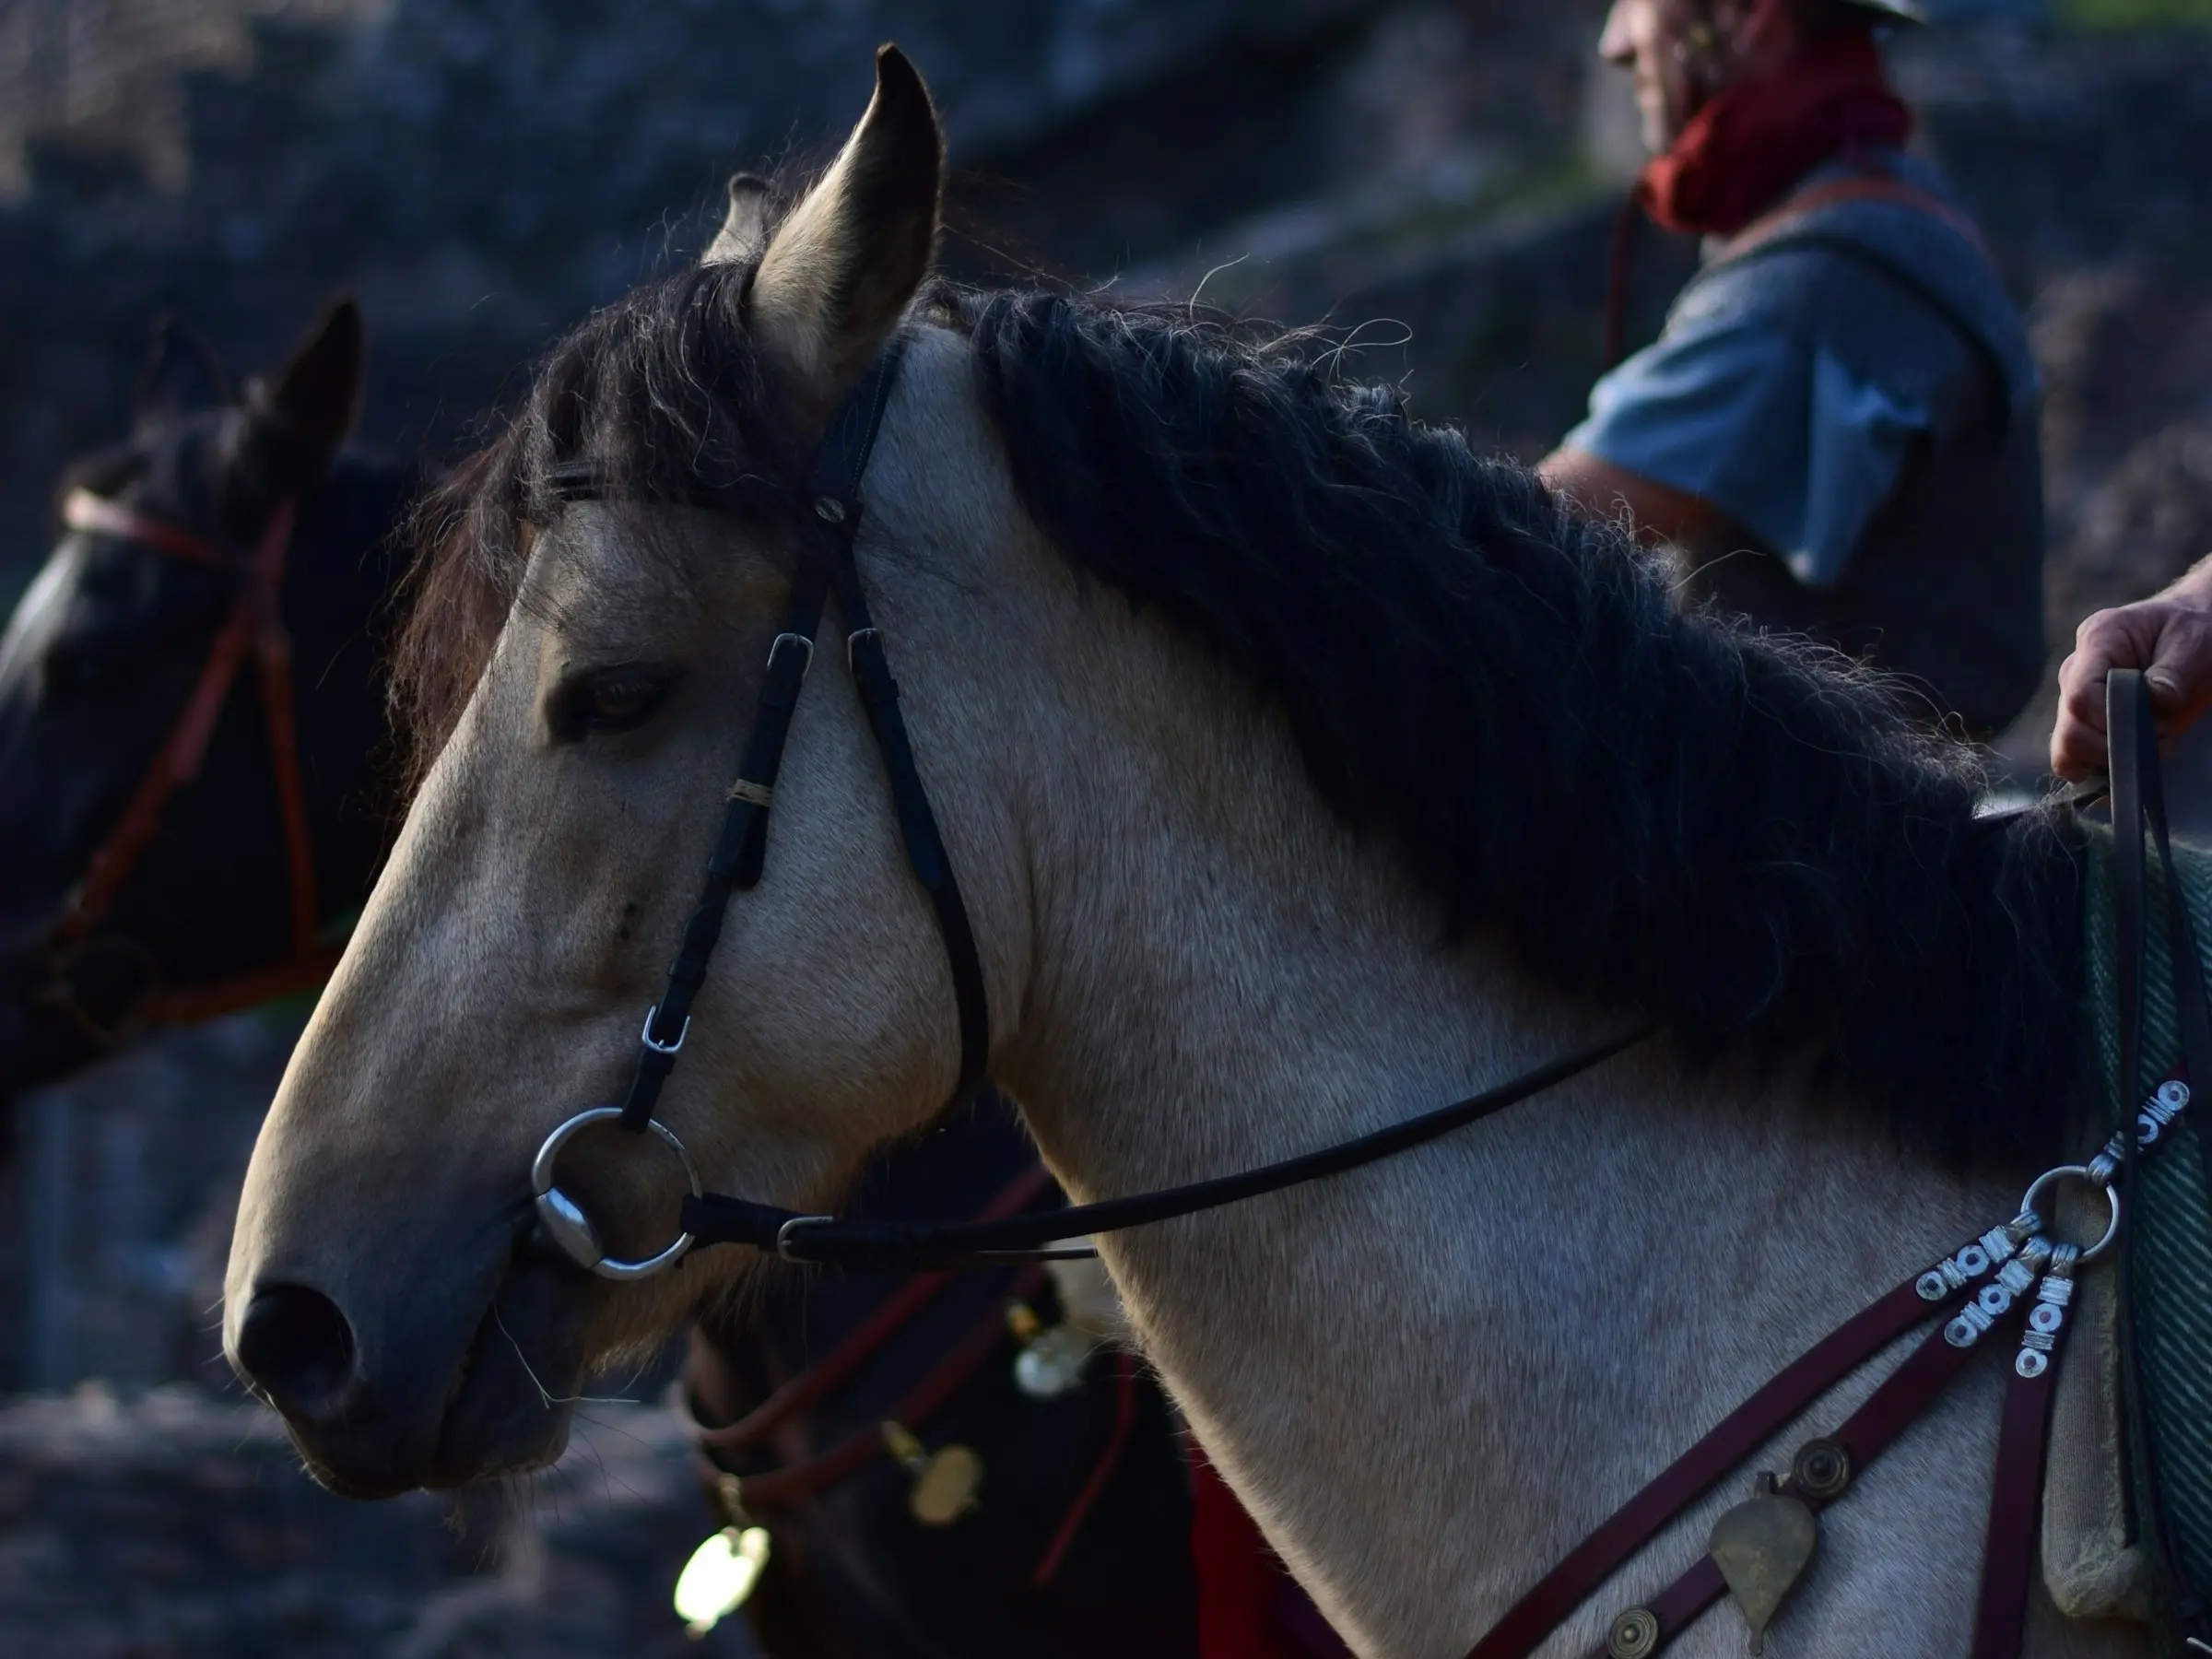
point(572, 1229)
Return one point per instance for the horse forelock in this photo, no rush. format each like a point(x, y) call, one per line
point(660, 396)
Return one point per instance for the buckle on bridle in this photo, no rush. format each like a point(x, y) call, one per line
point(658, 1047)
point(797, 639)
point(783, 1235)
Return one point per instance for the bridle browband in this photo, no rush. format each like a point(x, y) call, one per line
point(2012, 1268)
point(255, 626)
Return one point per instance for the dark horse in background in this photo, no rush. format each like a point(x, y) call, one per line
point(152, 874)
point(155, 864)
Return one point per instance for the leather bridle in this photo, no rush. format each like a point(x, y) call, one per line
point(2013, 1269)
point(826, 569)
point(253, 626)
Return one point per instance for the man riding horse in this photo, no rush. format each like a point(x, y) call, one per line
point(1837, 428)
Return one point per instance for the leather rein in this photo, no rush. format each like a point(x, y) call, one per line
point(2012, 1274)
point(254, 628)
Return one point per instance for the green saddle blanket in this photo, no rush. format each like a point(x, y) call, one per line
point(2172, 1224)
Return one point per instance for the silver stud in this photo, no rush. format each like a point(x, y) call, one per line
point(830, 510)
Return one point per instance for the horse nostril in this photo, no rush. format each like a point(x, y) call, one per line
point(295, 1347)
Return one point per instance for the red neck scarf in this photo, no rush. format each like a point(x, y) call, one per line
point(1740, 154)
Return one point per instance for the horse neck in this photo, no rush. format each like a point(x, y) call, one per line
point(1388, 1365)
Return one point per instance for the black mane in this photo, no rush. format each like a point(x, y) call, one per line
point(1745, 835)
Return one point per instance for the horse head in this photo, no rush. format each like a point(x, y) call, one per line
point(124, 900)
point(580, 673)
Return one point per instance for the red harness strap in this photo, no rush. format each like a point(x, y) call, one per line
point(255, 624)
point(806, 1390)
point(1578, 1578)
point(1868, 1432)
point(863, 1446)
point(2016, 1501)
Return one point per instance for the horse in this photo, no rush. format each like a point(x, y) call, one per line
point(187, 802)
point(1301, 770)
point(1079, 1541)
point(97, 665)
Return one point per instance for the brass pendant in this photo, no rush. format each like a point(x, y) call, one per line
point(1762, 1548)
point(946, 1480)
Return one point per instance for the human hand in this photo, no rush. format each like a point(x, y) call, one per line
point(2170, 638)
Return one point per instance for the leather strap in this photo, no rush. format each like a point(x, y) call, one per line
point(917, 826)
point(825, 552)
point(1632, 1526)
point(811, 1386)
point(1900, 1400)
point(2016, 1506)
point(718, 1219)
point(96, 515)
point(863, 1446)
point(254, 625)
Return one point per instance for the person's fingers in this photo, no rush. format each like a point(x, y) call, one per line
point(2077, 739)
point(2180, 673)
point(2105, 641)
point(2081, 683)
point(2170, 641)
point(2077, 755)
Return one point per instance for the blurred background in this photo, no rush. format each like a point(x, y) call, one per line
point(1438, 178)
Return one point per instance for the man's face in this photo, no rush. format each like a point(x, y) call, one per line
point(1673, 49)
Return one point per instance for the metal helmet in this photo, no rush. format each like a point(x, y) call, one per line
point(1896, 11)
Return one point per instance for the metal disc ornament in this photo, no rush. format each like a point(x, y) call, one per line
point(720, 1577)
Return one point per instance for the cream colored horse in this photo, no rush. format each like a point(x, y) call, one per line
point(1426, 1379)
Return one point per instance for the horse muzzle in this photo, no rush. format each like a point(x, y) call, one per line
point(462, 1376)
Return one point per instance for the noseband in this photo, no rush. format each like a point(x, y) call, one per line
point(1758, 1549)
point(253, 626)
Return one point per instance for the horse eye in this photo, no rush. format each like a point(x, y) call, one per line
point(610, 700)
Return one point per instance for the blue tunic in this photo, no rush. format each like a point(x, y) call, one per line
point(1856, 398)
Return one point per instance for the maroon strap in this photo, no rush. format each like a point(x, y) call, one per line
point(1117, 1442)
point(856, 1450)
point(1576, 1578)
point(2008, 1552)
point(256, 627)
point(1869, 1432)
point(811, 1385)
point(96, 515)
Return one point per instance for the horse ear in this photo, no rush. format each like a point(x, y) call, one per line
point(310, 406)
point(745, 228)
point(842, 267)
